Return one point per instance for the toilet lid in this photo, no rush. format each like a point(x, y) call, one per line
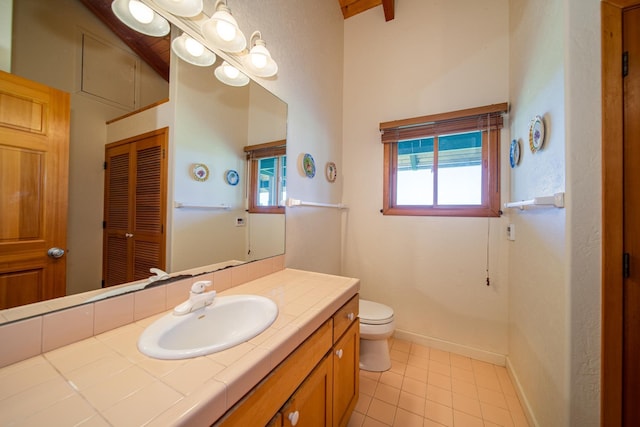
point(373, 313)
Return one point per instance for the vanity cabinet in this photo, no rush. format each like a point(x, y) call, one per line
point(317, 385)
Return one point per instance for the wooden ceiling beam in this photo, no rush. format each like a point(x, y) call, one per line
point(354, 7)
point(389, 9)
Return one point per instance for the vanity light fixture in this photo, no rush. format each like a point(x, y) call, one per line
point(222, 30)
point(186, 8)
point(192, 51)
point(230, 75)
point(258, 61)
point(140, 17)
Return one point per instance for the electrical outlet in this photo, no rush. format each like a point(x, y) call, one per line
point(240, 222)
point(511, 232)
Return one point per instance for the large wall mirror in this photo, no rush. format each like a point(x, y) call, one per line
point(210, 124)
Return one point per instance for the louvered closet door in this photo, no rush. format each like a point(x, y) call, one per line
point(135, 207)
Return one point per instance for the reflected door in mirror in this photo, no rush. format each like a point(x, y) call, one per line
point(34, 150)
point(135, 207)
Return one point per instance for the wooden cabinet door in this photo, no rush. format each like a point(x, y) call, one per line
point(34, 173)
point(135, 207)
point(310, 405)
point(346, 374)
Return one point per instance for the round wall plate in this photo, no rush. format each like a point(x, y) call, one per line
point(232, 177)
point(331, 171)
point(200, 172)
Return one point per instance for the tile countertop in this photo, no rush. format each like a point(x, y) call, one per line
point(105, 380)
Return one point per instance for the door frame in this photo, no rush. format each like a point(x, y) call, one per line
point(612, 210)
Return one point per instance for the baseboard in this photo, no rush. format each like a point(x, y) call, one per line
point(483, 355)
point(526, 407)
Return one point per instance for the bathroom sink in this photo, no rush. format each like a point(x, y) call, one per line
point(228, 321)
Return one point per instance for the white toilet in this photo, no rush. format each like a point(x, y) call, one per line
point(376, 326)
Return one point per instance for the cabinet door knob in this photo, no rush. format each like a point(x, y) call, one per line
point(351, 316)
point(339, 353)
point(293, 417)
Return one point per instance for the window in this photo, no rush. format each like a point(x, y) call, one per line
point(268, 172)
point(445, 164)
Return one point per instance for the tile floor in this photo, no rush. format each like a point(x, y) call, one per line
point(432, 388)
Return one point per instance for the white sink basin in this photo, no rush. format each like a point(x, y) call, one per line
point(229, 321)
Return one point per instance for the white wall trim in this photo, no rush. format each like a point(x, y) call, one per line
point(478, 354)
point(526, 407)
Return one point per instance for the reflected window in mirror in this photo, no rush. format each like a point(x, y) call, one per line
point(267, 177)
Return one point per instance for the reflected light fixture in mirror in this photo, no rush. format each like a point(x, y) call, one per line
point(222, 30)
point(186, 8)
point(258, 61)
point(230, 75)
point(192, 51)
point(140, 17)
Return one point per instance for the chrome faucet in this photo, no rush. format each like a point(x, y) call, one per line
point(198, 298)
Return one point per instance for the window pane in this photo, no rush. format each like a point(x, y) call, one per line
point(283, 180)
point(415, 172)
point(460, 169)
point(267, 181)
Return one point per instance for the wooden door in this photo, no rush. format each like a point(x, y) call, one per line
point(310, 405)
point(135, 207)
point(34, 151)
point(631, 283)
point(346, 375)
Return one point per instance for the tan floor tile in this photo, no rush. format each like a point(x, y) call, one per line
point(363, 403)
point(440, 368)
point(438, 413)
point(387, 394)
point(440, 356)
point(407, 419)
point(496, 415)
point(505, 381)
point(369, 374)
point(439, 395)
point(462, 362)
point(461, 419)
point(398, 367)
point(420, 350)
point(416, 373)
point(371, 422)
point(463, 387)
point(488, 380)
point(519, 418)
point(401, 345)
point(495, 398)
point(463, 374)
point(418, 361)
point(413, 386)
point(467, 405)
point(439, 380)
point(367, 386)
point(392, 379)
point(382, 411)
point(399, 356)
point(412, 403)
point(356, 419)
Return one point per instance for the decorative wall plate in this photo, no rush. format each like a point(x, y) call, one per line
point(514, 153)
point(200, 172)
point(331, 172)
point(536, 134)
point(309, 166)
point(232, 177)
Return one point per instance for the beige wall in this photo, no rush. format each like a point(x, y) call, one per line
point(305, 37)
point(47, 52)
point(434, 57)
point(538, 299)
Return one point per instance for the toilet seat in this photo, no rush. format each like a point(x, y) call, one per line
point(373, 313)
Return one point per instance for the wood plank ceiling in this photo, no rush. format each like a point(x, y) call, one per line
point(156, 51)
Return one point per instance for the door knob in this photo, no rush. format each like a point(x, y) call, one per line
point(55, 252)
